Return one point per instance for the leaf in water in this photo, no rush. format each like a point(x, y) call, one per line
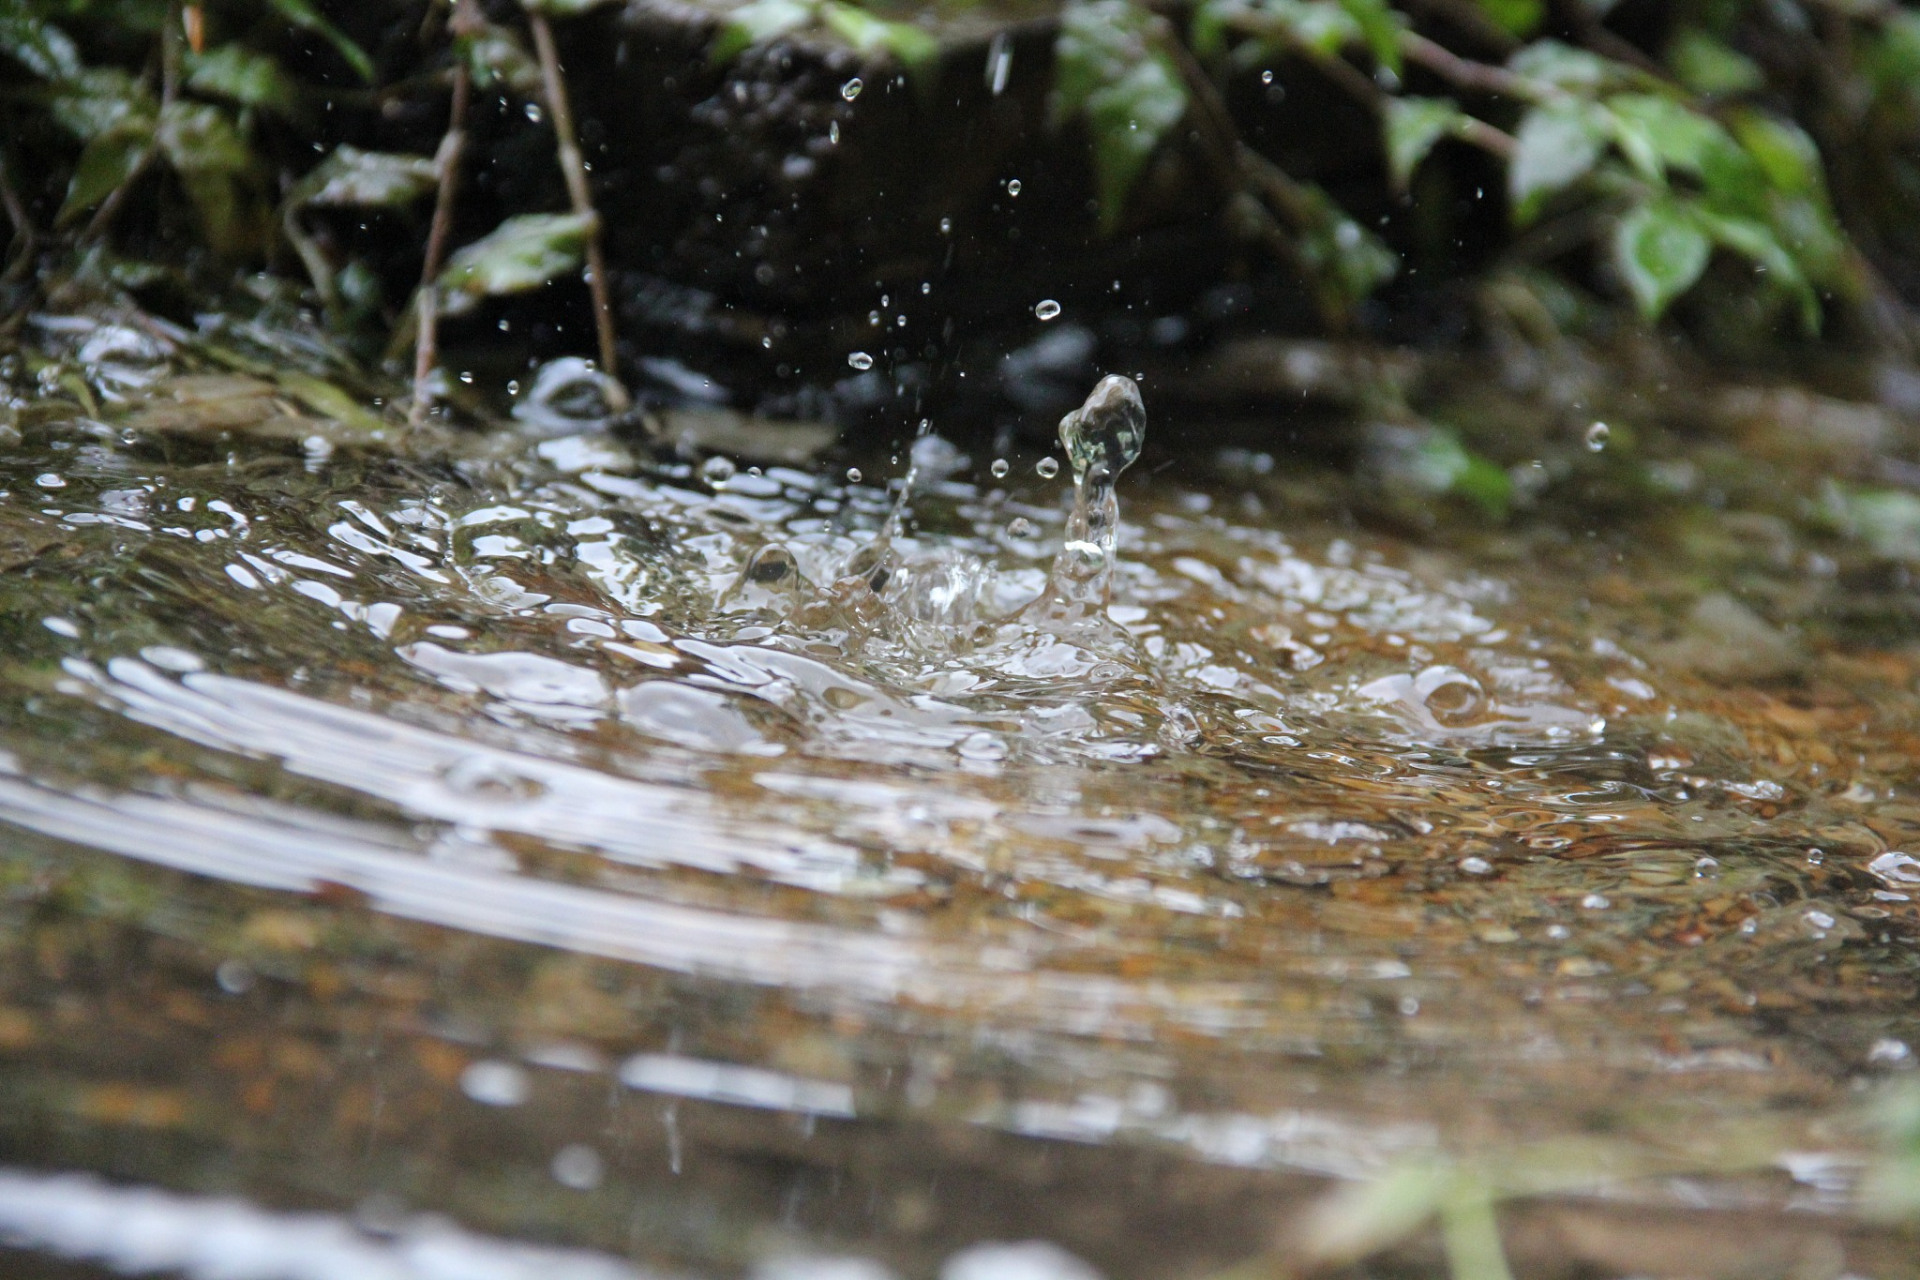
point(497, 60)
point(105, 163)
point(1660, 249)
point(1561, 64)
point(1705, 65)
point(1380, 27)
point(359, 178)
point(1557, 145)
point(243, 76)
point(303, 15)
point(522, 253)
point(868, 34)
point(1365, 1217)
point(1413, 126)
point(758, 21)
point(36, 44)
point(1515, 17)
point(1110, 69)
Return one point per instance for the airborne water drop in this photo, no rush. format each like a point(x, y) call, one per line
point(851, 89)
point(1047, 310)
point(861, 361)
point(1048, 467)
point(999, 468)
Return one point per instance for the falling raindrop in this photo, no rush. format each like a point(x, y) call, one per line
point(1266, 77)
point(861, 361)
point(1021, 527)
point(1013, 186)
point(999, 468)
point(1047, 310)
point(851, 89)
point(533, 112)
point(946, 226)
point(717, 470)
point(1048, 467)
point(833, 132)
point(853, 475)
point(1597, 436)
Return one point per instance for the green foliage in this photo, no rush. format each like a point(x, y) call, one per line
point(302, 14)
point(762, 20)
point(240, 75)
point(350, 176)
point(1557, 145)
point(1660, 250)
point(498, 61)
point(1112, 69)
point(1413, 126)
point(522, 253)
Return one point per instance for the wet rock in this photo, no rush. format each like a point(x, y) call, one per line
point(1725, 640)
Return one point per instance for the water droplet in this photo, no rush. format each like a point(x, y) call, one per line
point(851, 89)
point(533, 112)
point(999, 468)
point(926, 287)
point(1597, 436)
point(873, 318)
point(1013, 186)
point(853, 475)
point(946, 226)
point(1266, 77)
point(717, 470)
point(861, 361)
point(1047, 310)
point(1048, 467)
point(578, 1167)
point(833, 132)
point(1021, 527)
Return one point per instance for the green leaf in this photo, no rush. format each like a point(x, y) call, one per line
point(912, 46)
point(243, 76)
point(1783, 151)
point(1110, 68)
point(1515, 17)
point(105, 163)
point(1556, 146)
point(197, 138)
point(1660, 250)
point(758, 21)
point(36, 44)
point(1413, 126)
point(1319, 27)
point(562, 8)
point(1362, 1218)
point(1347, 262)
point(1705, 65)
point(1380, 27)
point(359, 178)
point(1893, 61)
point(497, 60)
point(1554, 63)
point(1676, 137)
point(99, 100)
point(520, 254)
point(303, 15)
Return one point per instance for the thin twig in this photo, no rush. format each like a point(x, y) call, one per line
point(1465, 73)
point(171, 36)
point(573, 166)
point(426, 342)
point(25, 238)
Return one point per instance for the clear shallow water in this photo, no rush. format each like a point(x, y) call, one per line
point(385, 826)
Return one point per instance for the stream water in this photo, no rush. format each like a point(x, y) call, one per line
point(530, 853)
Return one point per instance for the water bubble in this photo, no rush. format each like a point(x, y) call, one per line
point(999, 467)
point(861, 361)
point(1048, 467)
point(717, 470)
point(1013, 186)
point(1047, 310)
point(1597, 436)
point(853, 475)
point(851, 89)
point(578, 1167)
point(1021, 527)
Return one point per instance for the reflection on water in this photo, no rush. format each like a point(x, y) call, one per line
point(721, 826)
